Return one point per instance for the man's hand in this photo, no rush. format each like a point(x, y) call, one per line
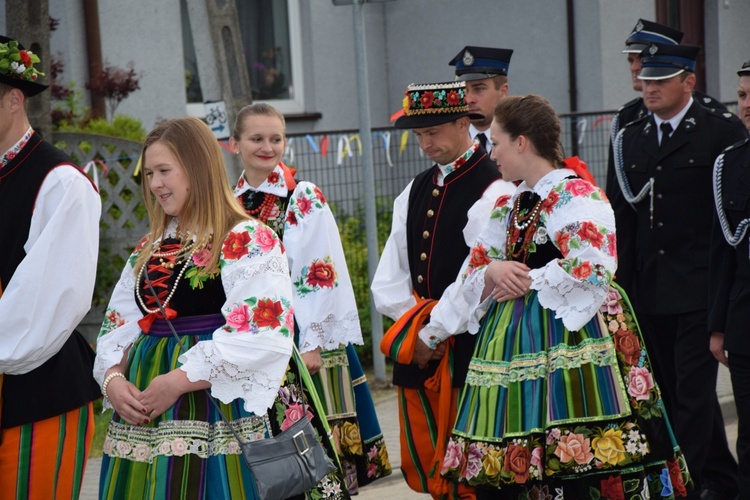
point(423, 354)
point(716, 344)
point(313, 360)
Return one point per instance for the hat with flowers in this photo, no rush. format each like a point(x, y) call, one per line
point(429, 104)
point(17, 67)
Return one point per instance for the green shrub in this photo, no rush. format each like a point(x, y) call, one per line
point(122, 126)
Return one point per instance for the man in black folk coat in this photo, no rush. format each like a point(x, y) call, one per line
point(729, 307)
point(663, 207)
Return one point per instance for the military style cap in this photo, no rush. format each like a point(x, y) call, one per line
point(646, 32)
point(17, 67)
point(429, 104)
point(660, 61)
point(474, 63)
point(745, 69)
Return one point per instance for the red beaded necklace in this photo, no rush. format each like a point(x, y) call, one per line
point(263, 211)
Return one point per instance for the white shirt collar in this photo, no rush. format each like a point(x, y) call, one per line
point(274, 184)
point(674, 121)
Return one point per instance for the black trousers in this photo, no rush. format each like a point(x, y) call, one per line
point(686, 373)
point(739, 368)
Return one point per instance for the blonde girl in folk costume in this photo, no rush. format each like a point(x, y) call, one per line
point(560, 399)
point(223, 280)
point(324, 306)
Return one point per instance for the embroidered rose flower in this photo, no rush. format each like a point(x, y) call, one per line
point(608, 447)
point(549, 203)
point(612, 304)
point(583, 271)
point(289, 320)
point(479, 257)
point(291, 218)
point(273, 178)
point(612, 488)
point(304, 204)
point(336, 433)
point(265, 238)
point(612, 244)
point(202, 258)
point(536, 457)
point(629, 346)
point(426, 99)
point(319, 194)
point(452, 457)
point(579, 187)
point(293, 413)
point(165, 448)
point(123, 448)
point(235, 246)
point(321, 273)
point(267, 312)
point(493, 462)
point(473, 461)
point(453, 98)
point(563, 242)
point(372, 469)
point(502, 201)
point(239, 318)
point(517, 460)
point(675, 474)
point(640, 382)
point(351, 438)
point(574, 447)
point(590, 232)
point(274, 212)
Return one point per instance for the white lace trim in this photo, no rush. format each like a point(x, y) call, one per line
point(110, 349)
point(182, 437)
point(240, 274)
point(331, 333)
point(258, 388)
point(575, 302)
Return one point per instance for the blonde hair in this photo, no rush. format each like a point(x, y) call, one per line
point(210, 210)
point(256, 109)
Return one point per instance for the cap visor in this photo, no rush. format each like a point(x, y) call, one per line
point(654, 73)
point(467, 77)
point(634, 48)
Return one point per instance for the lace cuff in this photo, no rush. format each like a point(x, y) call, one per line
point(575, 302)
point(331, 333)
point(110, 349)
point(473, 289)
point(229, 381)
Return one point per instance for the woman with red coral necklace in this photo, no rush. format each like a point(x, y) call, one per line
point(223, 282)
point(560, 401)
point(325, 310)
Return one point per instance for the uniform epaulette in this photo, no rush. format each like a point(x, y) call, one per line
point(738, 145)
point(708, 102)
point(635, 102)
point(723, 114)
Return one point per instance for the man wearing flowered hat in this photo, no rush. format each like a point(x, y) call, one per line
point(417, 283)
point(49, 231)
point(729, 309)
point(663, 203)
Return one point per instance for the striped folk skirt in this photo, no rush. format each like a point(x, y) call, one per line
point(188, 452)
point(342, 387)
point(552, 413)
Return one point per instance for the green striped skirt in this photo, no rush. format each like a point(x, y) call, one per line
point(546, 410)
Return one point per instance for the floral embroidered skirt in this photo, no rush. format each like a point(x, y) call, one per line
point(552, 413)
point(347, 402)
point(188, 452)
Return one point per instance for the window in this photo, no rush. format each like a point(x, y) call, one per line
point(270, 38)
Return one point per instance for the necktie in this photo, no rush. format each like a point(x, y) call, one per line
point(482, 140)
point(666, 130)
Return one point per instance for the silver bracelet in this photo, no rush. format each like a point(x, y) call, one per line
point(109, 379)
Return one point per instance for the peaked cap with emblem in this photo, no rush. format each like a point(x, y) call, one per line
point(744, 70)
point(475, 63)
point(660, 61)
point(647, 32)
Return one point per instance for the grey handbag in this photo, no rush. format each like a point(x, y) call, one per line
point(284, 465)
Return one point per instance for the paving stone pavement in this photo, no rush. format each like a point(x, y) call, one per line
point(393, 486)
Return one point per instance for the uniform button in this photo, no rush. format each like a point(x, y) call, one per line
point(430, 213)
point(659, 224)
point(731, 203)
point(426, 234)
point(658, 167)
point(420, 278)
point(659, 196)
point(423, 256)
point(632, 166)
point(436, 192)
point(661, 252)
point(690, 161)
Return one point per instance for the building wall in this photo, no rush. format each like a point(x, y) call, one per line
point(727, 45)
